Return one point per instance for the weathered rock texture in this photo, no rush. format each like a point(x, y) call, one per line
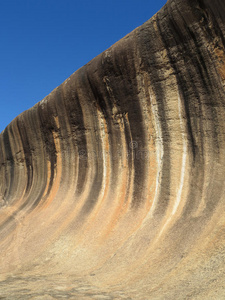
point(116, 178)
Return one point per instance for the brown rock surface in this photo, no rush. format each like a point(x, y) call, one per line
point(113, 187)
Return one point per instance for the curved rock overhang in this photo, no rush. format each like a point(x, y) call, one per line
point(117, 176)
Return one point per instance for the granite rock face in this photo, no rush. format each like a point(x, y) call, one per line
point(116, 178)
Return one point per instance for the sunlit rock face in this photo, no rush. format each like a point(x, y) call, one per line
point(113, 186)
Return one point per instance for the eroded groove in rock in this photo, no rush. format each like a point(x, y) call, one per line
point(117, 177)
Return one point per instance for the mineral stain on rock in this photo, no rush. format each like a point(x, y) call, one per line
point(112, 187)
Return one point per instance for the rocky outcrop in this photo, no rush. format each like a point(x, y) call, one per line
point(116, 178)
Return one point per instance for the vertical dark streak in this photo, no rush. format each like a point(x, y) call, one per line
point(94, 193)
point(121, 73)
point(183, 87)
point(9, 158)
point(148, 51)
point(75, 117)
point(27, 153)
point(47, 127)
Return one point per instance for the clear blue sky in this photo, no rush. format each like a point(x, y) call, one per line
point(44, 41)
